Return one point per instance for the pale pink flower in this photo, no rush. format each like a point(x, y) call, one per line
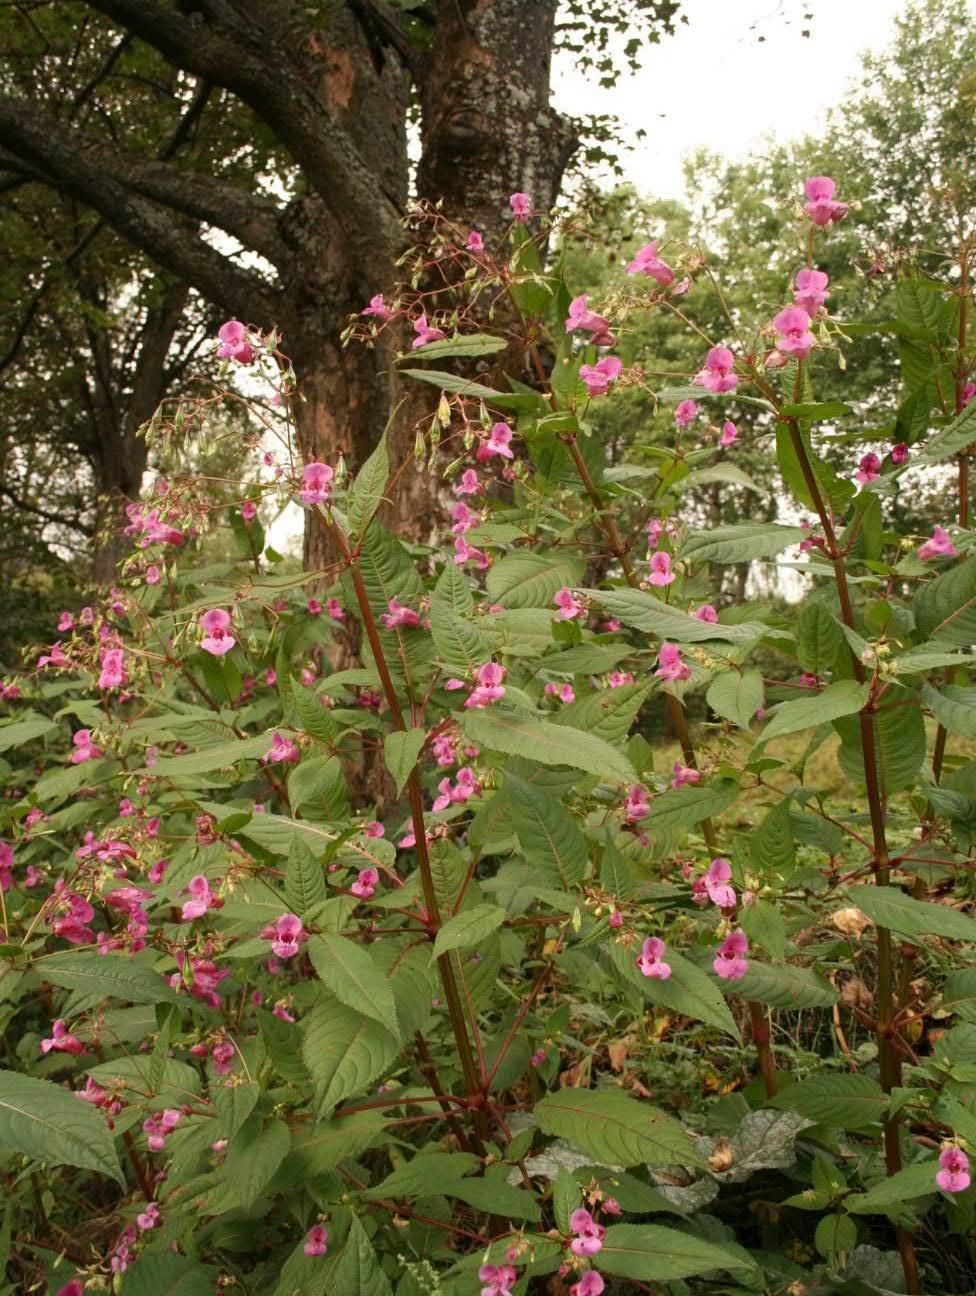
point(686, 412)
point(869, 469)
point(794, 338)
point(202, 899)
point(313, 607)
point(661, 573)
point(620, 679)
point(281, 751)
point(489, 687)
point(149, 1218)
point(470, 483)
point(400, 615)
point(113, 668)
point(589, 1235)
point(374, 829)
point(718, 373)
point(475, 242)
point(590, 1283)
point(217, 638)
point(153, 574)
point(968, 392)
point(562, 691)
point(316, 1241)
point(335, 609)
point(249, 510)
point(365, 883)
point(56, 657)
point(569, 606)
point(316, 483)
point(706, 613)
point(729, 434)
point(953, 1175)
point(425, 332)
point(378, 308)
point(496, 1280)
point(717, 884)
point(669, 663)
point(651, 959)
point(810, 290)
point(85, 749)
point(465, 553)
point(442, 748)
point(581, 317)
point(730, 962)
point(498, 443)
point(61, 1040)
point(66, 623)
point(464, 519)
point(234, 344)
point(286, 934)
point(646, 261)
point(597, 378)
point(939, 546)
point(899, 453)
point(222, 1056)
point(637, 806)
point(821, 207)
point(521, 205)
point(684, 774)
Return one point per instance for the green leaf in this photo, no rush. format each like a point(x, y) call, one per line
point(304, 879)
point(837, 490)
point(353, 977)
point(949, 441)
point(548, 834)
point(771, 844)
point(452, 382)
point(467, 928)
point(889, 907)
point(531, 579)
point(845, 1101)
point(415, 1178)
point(688, 990)
point(461, 344)
point(679, 809)
point(835, 1234)
point(494, 1197)
point(899, 743)
point(783, 986)
point(763, 923)
point(357, 1270)
point(345, 1051)
point(107, 974)
point(209, 760)
point(735, 544)
point(729, 473)
point(326, 1144)
point(846, 697)
point(914, 1181)
point(814, 412)
point(605, 713)
point(400, 751)
point(47, 1123)
point(253, 1158)
point(959, 994)
point(24, 731)
point(366, 492)
point(954, 707)
point(945, 608)
point(549, 744)
point(615, 1129)
point(161, 1273)
point(736, 696)
point(645, 612)
point(652, 1253)
point(819, 640)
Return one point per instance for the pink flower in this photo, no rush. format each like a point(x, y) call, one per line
point(538, 1057)
point(669, 663)
point(729, 963)
point(794, 338)
point(651, 959)
point(374, 829)
point(821, 207)
point(685, 412)
point(569, 607)
point(597, 378)
point(158, 1125)
point(464, 518)
point(465, 553)
point(316, 1241)
point(113, 668)
point(400, 615)
point(234, 344)
point(335, 609)
point(217, 638)
point(729, 435)
point(954, 1174)
point(61, 1040)
point(619, 679)
point(869, 469)
point(378, 308)
point(365, 884)
point(286, 934)
point(153, 574)
point(85, 749)
point(66, 623)
point(590, 1283)
point(810, 290)
point(316, 483)
point(222, 1056)
point(521, 205)
point(939, 546)
point(56, 657)
point(203, 899)
point(684, 774)
point(899, 453)
point(498, 443)
point(442, 748)
point(470, 483)
point(968, 392)
point(6, 865)
point(706, 613)
point(489, 687)
point(716, 883)
point(646, 261)
point(581, 317)
point(249, 510)
point(425, 332)
point(149, 1218)
point(562, 691)
point(475, 242)
point(661, 573)
point(589, 1235)
point(73, 1288)
point(281, 751)
point(637, 806)
point(497, 1279)
point(718, 374)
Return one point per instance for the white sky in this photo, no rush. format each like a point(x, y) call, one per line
point(715, 83)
